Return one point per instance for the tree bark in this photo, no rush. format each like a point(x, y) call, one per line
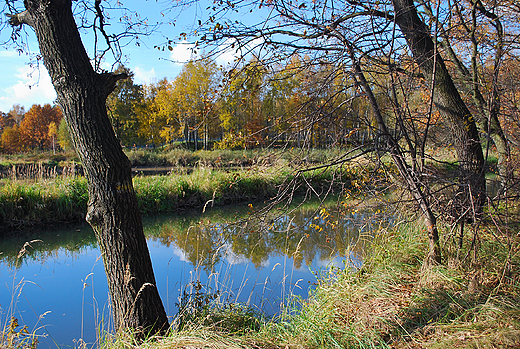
point(112, 209)
point(448, 102)
point(487, 117)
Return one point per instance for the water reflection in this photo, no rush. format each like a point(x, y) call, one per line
point(258, 260)
point(307, 235)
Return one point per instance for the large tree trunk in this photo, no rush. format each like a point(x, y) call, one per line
point(487, 117)
point(448, 102)
point(112, 209)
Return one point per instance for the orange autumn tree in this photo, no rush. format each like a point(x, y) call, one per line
point(10, 139)
point(34, 129)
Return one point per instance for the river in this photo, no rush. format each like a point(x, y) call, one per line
point(57, 285)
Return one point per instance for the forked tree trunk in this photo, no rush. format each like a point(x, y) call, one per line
point(488, 113)
point(112, 208)
point(448, 102)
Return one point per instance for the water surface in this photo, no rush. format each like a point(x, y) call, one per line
point(58, 287)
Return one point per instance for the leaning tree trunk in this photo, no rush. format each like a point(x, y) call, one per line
point(448, 102)
point(488, 114)
point(112, 208)
point(410, 179)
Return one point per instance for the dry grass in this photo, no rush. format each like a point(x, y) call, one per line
point(190, 338)
point(391, 302)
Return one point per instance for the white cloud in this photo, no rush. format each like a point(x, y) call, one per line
point(227, 55)
point(181, 52)
point(232, 257)
point(144, 76)
point(328, 262)
point(8, 54)
point(179, 253)
point(33, 87)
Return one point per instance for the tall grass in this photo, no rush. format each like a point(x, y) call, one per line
point(64, 199)
point(204, 188)
point(12, 334)
point(391, 301)
point(24, 203)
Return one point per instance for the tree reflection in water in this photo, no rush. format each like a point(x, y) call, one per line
point(310, 235)
point(233, 252)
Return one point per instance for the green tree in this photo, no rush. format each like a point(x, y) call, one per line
point(64, 139)
point(5, 121)
point(122, 105)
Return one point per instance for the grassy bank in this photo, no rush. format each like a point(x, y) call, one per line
point(391, 302)
point(64, 199)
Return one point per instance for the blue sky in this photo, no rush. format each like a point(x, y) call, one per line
point(28, 84)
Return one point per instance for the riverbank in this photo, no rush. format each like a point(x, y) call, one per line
point(390, 302)
point(46, 165)
point(25, 203)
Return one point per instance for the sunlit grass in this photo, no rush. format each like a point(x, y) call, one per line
point(25, 203)
point(64, 199)
point(391, 301)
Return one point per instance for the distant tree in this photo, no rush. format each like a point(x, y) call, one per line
point(168, 111)
point(53, 133)
point(17, 113)
point(240, 105)
point(150, 121)
point(64, 139)
point(5, 121)
point(34, 128)
point(10, 139)
point(14, 116)
point(122, 105)
point(185, 106)
point(194, 91)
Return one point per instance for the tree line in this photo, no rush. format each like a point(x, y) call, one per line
point(256, 104)
point(206, 106)
point(40, 127)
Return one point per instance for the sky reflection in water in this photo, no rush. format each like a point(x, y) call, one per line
point(59, 288)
